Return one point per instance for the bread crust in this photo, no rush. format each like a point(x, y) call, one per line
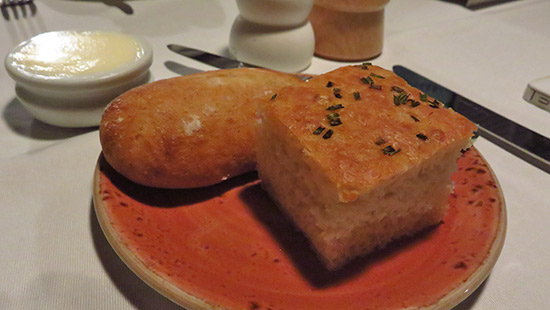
point(189, 131)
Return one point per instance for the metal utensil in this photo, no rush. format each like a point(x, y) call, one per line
point(214, 60)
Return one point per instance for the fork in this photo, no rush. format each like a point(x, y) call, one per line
point(14, 2)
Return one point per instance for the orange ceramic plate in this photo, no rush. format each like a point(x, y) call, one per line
point(228, 246)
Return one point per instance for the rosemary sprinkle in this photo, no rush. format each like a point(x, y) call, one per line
point(328, 134)
point(414, 103)
point(335, 121)
point(332, 115)
point(390, 150)
point(421, 136)
point(400, 99)
point(434, 104)
point(367, 80)
point(365, 65)
point(335, 107)
point(319, 130)
point(397, 89)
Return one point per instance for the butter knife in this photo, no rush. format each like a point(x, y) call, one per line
point(180, 69)
point(516, 139)
point(214, 60)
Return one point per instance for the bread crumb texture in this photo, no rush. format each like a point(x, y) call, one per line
point(357, 158)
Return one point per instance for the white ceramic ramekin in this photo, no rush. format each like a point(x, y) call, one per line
point(77, 100)
point(280, 13)
point(278, 48)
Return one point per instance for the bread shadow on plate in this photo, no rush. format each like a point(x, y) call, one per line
point(297, 247)
point(170, 198)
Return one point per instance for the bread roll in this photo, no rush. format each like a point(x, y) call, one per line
point(358, 158)
point(188, 131)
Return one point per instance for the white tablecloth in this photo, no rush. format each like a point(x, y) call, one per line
point(53, 254)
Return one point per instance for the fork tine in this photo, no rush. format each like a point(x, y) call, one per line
point(4, 3)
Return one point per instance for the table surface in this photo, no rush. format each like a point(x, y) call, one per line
point(52, 251)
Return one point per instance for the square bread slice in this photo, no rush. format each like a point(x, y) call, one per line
point(357, 158)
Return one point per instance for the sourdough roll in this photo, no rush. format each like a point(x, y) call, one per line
point(188, 131)
point(358, 158)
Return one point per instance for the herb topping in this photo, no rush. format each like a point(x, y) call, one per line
point(413, 103)
point(435, 104)
point(335, 107)
point(319, 130)
point(390, 150)
point(334, 119)
point(397, 89)
point(332, 115)
point(328, 134)
point(421, 136)
point(364, 65)
point(400, 99)
point(367, 80)
point(335, 122)
point(377, 76)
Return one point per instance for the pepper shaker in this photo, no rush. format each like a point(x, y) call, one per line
point(348, 30)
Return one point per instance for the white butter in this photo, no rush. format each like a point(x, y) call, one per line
point(69, 53)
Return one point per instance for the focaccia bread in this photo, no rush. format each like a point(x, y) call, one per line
point(189, 131)
point(358, 158)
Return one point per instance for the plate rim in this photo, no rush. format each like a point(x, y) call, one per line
point(131, 260)
point(453, 298)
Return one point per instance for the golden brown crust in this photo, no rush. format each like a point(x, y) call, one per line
point(354, 155)
point(189, 131)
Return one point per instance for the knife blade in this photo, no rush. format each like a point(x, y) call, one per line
point(180, 69)
point(514, 138)
point(214, 60)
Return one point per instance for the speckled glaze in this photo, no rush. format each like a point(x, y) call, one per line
point(228, 246)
